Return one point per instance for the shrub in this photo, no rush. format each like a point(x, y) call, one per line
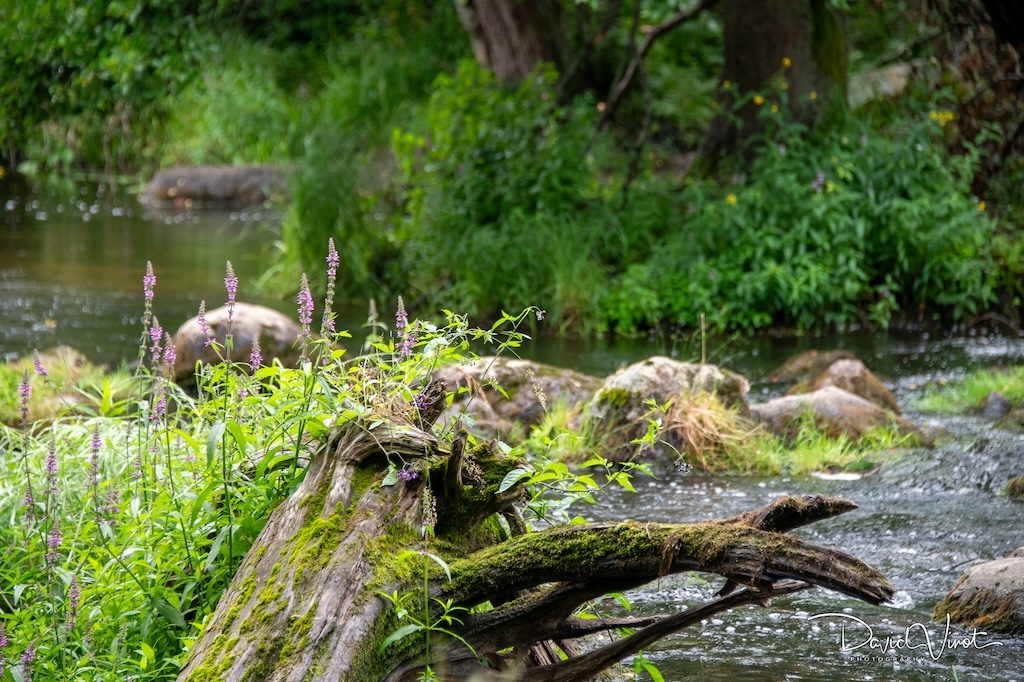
point(827, 228)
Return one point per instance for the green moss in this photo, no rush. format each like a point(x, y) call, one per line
point(616, 397)
point(363, 477)
point(216, 664)
point(1015, 488)
point(981, 611)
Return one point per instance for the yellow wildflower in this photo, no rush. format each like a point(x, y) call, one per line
point(981, 205)
point(813, 95)
point(775, 109)
point(942, 117)
point(731, 199)
point(726, 84)
point(784, 85)
point(786, 62)
point(758, 100)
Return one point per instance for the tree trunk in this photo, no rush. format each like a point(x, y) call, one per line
point(306, 604)
point(760, 38)
point(510, 37)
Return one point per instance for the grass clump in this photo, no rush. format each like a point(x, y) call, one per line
point(970, 392)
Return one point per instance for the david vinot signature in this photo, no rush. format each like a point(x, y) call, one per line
point(855, 634)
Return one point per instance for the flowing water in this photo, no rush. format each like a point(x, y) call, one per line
point(71, 267)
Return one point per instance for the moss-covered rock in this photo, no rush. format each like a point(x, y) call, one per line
point(621, 411)
point(988, 596)
point(527, 390)
point(835, 412)
point(1015, 488)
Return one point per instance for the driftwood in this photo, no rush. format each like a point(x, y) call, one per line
point(305, 603)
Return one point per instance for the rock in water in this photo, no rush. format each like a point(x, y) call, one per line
point(852, 376)
point(988, 596)
point(835, 412)
point(620, 412)
point(278, 335)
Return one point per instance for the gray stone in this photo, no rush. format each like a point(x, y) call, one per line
point(278, 335)
point(852, 376)
point(808, 364)
point(215, 186)
point(834, 411)
point(989, 596)
point(620, 412)
point(532, 388)
point(994, 405)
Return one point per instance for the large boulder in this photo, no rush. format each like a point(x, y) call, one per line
point(852, 376)
point(833, 410)
point(278, 335)
point(200, 186)
point(808, 364)
point(989, 596)
point(620, 411)
point(504, 393)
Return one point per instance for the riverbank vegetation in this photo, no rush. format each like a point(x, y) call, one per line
point(970, 392)
point(566, 184)
point(125, 523)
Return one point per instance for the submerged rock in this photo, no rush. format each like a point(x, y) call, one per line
point(834, 411)
point(808, 364)
point(620, 412)
point(532, 388)
point(216, 185)
point(988, 596)
point(852, 376)
point(278, 335)
point(994, 405)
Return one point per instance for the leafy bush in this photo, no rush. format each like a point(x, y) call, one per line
point(826, 228)
point(503, 201)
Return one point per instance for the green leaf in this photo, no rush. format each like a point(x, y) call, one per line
point(170, 613)
point(212, 440)
point(391, 478)
point(400, 633)
point(513, 477)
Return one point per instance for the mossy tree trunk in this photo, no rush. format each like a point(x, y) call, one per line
point(759, 36)
point(305, 603)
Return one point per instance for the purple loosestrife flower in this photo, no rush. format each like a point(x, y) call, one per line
point(25, 393)
point(819, 183)
point(408, 342)
point(255, 356)
point(156, 333)
point(401, 319)
point(28, 657)
point(52, 468)
point(333, 260)
point(4, 643)
point(204, 326)
point(95, 443)
point(170, 356)
point(53, 542)
point(231, 285)
point(149, 282)
point(305, 301)
point(159, 409)
point(38, 361)
point(74, 598)
point(30, 503)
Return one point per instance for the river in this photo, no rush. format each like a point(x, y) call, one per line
point(71, 267)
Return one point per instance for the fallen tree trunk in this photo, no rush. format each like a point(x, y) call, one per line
point(306, 604)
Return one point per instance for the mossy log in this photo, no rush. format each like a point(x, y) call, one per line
point(305, 603)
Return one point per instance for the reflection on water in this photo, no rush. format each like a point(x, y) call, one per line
point(71, 267)
point(72, 261)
